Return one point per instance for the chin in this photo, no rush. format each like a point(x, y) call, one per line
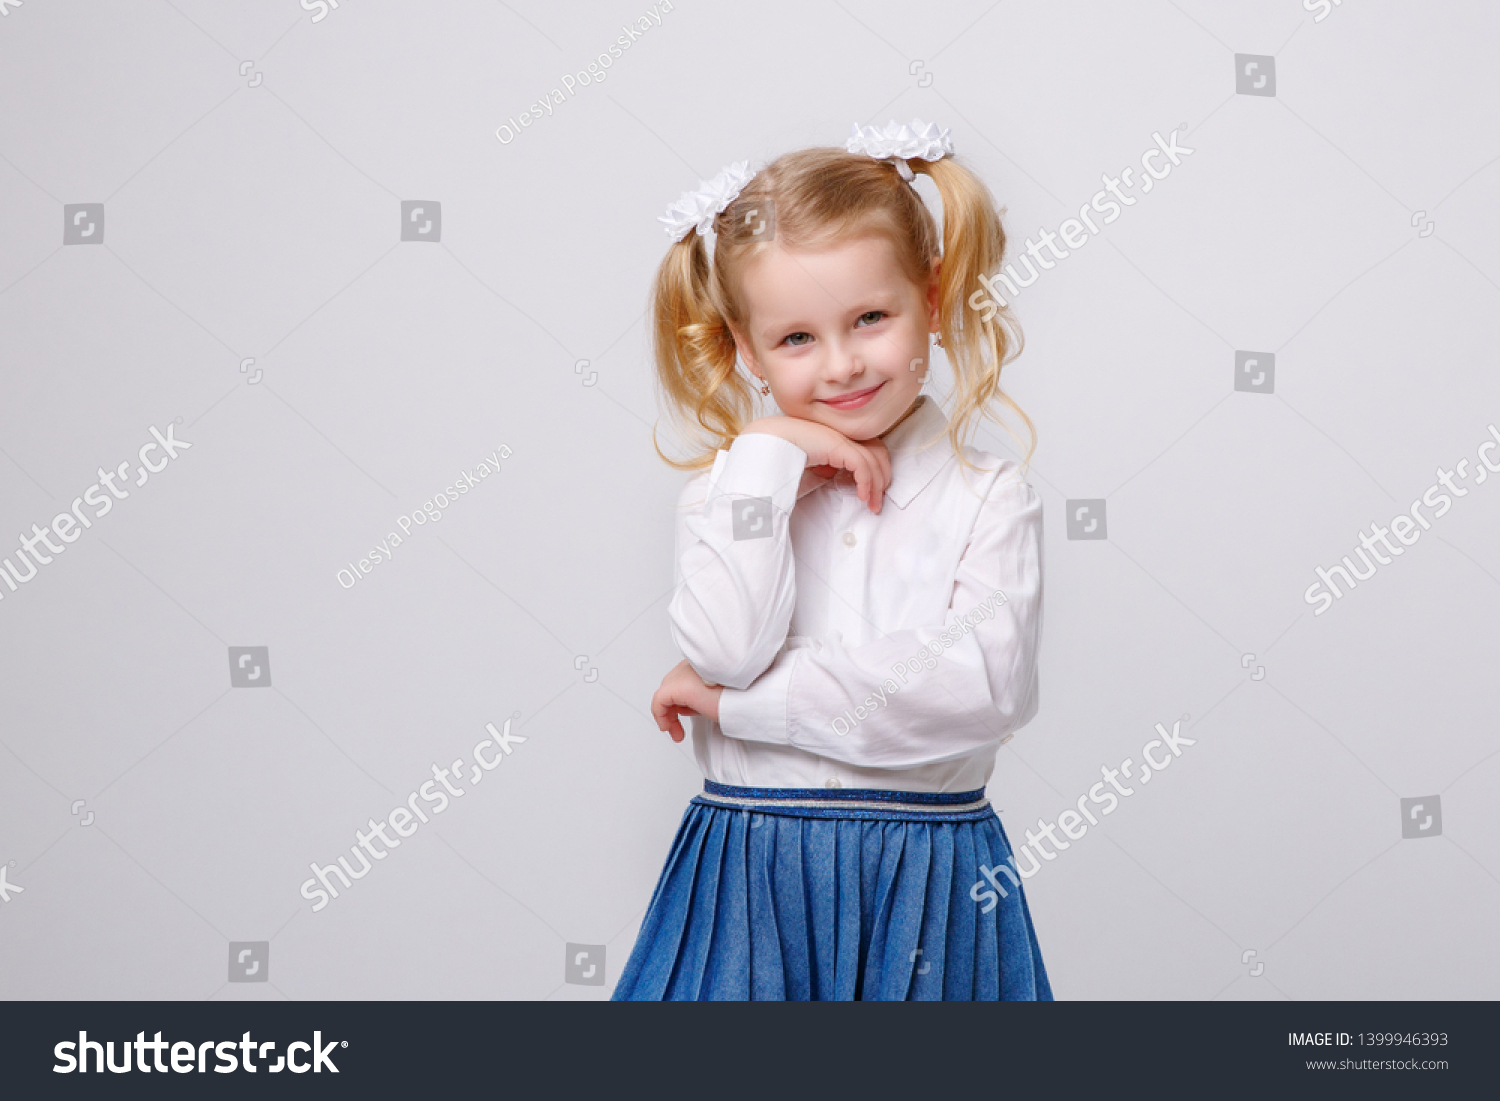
point(865, 429)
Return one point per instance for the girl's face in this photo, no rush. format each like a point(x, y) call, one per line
point(841, 335)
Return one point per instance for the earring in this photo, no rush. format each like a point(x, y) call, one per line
point(765, 388)
point(937, 338)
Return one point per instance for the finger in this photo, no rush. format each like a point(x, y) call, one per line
point(871, 490)
point(882, 457)
point(864, 474)
point(884, 454)
point(677, 710)
point(877, 483)
point(861, 477)
point(665, 710)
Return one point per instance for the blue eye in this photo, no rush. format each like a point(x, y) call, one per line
point(792, 340)
point(876, 314)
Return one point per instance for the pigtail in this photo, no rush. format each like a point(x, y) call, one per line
point(695, 351)
point(978, 343)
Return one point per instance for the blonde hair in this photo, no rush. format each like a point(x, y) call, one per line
point(822, 197)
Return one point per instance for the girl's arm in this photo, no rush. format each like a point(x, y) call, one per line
point(735, 585)
point(735, 588)
point(932, 693)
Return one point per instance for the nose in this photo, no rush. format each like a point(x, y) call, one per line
point(843, 363)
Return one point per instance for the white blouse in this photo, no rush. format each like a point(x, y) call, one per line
point(895, 651)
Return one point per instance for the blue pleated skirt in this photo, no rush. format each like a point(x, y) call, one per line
point(842, 894)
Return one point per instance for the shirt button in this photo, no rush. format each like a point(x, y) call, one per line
point(832, 783)
point(849, 539)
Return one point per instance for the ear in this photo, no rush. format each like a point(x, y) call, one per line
point(742, 346)
point(934, 302)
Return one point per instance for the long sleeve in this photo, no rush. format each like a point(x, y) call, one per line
point(930, 693)
point(735, 587)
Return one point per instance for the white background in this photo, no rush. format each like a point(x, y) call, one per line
point(263, 222)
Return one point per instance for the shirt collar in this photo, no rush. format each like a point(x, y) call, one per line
point(912, 465)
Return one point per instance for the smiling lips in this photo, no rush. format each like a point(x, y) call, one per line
point(854, 400)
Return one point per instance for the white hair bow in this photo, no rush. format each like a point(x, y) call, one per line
point(697, 209)
point(897, 142)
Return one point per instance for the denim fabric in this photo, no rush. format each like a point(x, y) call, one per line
point(787, 904)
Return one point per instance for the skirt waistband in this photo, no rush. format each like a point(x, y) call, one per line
point(927, 806)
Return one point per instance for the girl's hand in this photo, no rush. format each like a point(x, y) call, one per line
point(829, 451)
point(683, 692)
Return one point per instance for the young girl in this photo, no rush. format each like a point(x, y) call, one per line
point(858, 598)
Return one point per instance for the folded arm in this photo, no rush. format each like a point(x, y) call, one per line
point(930, 693)
point(735, 583)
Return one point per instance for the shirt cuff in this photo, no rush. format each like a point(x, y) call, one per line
point(759, 464)
point(759, 713)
